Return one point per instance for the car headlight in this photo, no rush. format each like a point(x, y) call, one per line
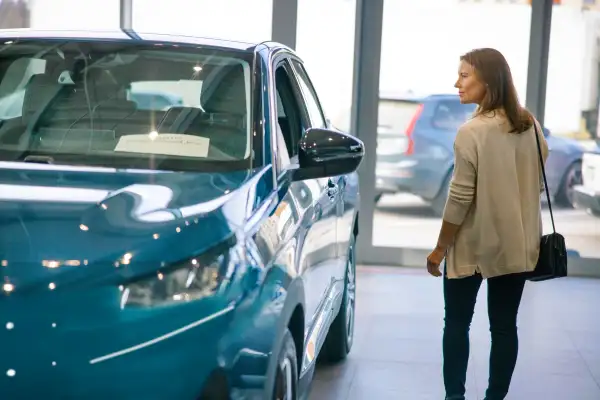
point(193, 279)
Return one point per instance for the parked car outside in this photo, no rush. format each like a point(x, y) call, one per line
point(415, 152)
point(196, 251)
point(587, 195)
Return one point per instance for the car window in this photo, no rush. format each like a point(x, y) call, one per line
point(451, 114)
point(12, 87)
point(128, 105)
point(289, 127)
point(311, 99)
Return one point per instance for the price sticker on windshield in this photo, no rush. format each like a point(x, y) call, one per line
point(169, 144)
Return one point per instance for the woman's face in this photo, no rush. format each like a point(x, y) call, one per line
point(470, 88)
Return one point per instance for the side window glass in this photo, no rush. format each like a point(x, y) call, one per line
point(16, 76)
point(310, 97)
point(450, 115)
point(288, 129)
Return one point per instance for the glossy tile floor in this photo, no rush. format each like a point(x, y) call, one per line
point(397, 349)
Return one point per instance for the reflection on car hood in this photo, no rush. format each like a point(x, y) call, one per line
point(56, 219)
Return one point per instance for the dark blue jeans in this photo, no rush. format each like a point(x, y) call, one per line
point(504, 298)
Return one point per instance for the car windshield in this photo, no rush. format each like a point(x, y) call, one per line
point(125, 105)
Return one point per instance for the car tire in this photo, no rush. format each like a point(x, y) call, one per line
point(286, 373)
point(341, 332)
point(439, 202)
point(572, 177)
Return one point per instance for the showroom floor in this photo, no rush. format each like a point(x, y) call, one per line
point(397, 350)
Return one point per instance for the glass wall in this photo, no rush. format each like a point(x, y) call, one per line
point(75, 14)
point(421, 45)
point(14, 14)
point(248, 21)
point(333, 78)
point(572, 119)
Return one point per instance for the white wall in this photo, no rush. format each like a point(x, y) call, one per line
point(422, 41)
point(568, 72)
point(325, 41)
point(75, 14)
point(245, 20)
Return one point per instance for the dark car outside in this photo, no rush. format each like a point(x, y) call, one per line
point(415, 150)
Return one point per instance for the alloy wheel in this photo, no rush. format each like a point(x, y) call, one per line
point(574, 178)
point(285, 381)
point(350, 295)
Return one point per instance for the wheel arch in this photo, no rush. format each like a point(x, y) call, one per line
point(291, 317)
point(296, 326)
point(355, 225)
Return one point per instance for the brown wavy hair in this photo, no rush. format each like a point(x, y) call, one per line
point(492, 70)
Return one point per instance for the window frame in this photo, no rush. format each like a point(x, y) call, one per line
point(285, 59)
point(301, 74)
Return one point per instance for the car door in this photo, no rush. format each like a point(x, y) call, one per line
point(316, 234)
point(335, 184)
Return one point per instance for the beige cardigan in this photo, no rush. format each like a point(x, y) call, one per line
point(495, 197)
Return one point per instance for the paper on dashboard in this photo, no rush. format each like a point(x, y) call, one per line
point(170, 144)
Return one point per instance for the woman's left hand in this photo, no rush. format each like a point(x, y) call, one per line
point(434, 260)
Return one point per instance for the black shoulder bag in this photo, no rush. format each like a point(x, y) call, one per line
point(552, 262)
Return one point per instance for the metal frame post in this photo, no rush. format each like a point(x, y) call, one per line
point(284, 22)
point(126, 15)
point(364, 115)
point(539, 47)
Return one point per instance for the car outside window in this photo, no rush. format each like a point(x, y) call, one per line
point(125, 105)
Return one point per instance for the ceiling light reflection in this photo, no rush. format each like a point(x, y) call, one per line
point(51, 194)
point(52, 264)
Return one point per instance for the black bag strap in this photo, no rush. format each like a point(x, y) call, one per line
point(541, 157)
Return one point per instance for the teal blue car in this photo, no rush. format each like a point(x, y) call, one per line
point(200, 248)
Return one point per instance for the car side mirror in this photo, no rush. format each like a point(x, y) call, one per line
point(325, 152)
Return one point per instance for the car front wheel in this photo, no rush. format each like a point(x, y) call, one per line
point(286, 377)
point(341, 333)
point(572, 178)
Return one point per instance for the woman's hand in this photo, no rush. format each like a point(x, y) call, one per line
point(434, 260)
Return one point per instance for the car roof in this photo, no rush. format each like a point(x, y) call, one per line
point(122, 35)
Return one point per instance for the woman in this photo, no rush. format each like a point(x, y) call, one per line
point(492, 223)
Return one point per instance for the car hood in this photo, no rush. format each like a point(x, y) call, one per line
point(558, 143)
point(56, 221)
